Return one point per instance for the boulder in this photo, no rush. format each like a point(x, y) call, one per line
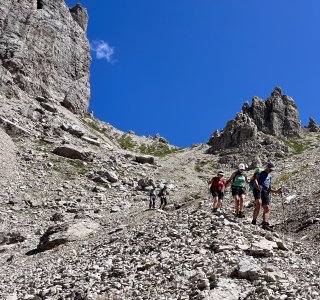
point(74, 152)
point(60, 234)
point(247, 269)
point(145, 182)
point(145, 159)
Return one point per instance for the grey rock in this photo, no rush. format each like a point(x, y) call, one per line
point(61, 234)
point(11, 238)
point(145, 159)
point(247, 269)
point(74, 152)
point(80, 15)
point(12, 128)
point(145, 182)
point(53, 62)
point(313, 126)
point(91, 141)
point(277, 115)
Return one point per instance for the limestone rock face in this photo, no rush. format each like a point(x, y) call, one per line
point(278, 115)
point(44, 52)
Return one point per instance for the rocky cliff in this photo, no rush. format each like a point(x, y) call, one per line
point(44, 53)
point(278, 115)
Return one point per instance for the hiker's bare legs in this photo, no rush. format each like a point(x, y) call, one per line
point(266, 213)
point(241, 201)
point(256, 209)
point(236, 203)
point(215, 202)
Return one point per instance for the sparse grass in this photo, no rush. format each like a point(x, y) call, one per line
point(158, 149)
point(196, 196)
point(298, 146)
point(126, 142)
point(287, 176)
point(69, 168)
point(42, 146)
point(200, 165)
point(95, 128)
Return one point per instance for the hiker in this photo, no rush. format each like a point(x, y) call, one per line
point(261, 191)
point(238, 188)
point(153, 197)
point(217, 186)
point(163, 197)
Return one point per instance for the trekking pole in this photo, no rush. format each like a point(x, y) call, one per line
point(283, 208)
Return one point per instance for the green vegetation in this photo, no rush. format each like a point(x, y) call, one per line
point(201, 164)
point(42, 146)
point(158, 149)
point(285, 177)
point(298, 146)
point(69, 168)
point(126, 142)
point(95, 128)
point(196, 196)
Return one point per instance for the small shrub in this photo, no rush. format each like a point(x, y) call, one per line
point(126, 142)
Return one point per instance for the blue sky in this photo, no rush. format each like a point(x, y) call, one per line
point(183, 68)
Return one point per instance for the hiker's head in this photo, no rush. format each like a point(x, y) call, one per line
point(220, 174)
point(270, 167)
point(241, 167)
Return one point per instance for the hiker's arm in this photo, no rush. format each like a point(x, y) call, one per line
point(230, 179)
point(256, 183)
point(276, 191)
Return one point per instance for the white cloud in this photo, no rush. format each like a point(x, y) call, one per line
point(103, 50)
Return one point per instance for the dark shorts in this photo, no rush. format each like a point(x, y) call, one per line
point(217, 194)
point(263, 195)
point(237, 190)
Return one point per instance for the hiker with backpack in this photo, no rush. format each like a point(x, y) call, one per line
point(217, 186)
point(153, 197)
point(261, 191)
point(238, 189)
point(163, 197)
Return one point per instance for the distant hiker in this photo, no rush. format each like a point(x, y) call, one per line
point(238, 189)
point(153, 198)
point(163, 197)
point(261, 191)
point(217, 186)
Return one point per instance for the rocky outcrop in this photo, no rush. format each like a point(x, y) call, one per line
point(313, 126)
point(44, 52)
point(278, 115)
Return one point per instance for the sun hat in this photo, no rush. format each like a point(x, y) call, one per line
point(241, 166)
point(220, 173)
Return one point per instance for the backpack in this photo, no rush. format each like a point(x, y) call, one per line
point(153, 193)
point(161, 193)
point(256, 172)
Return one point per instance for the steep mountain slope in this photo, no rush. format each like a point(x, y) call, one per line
point(74, 199)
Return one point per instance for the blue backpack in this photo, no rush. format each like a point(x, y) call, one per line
point(256, 172)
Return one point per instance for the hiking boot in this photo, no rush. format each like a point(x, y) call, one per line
point(254, 222)
point(214, 210)
point(266, 226)
point(241, 214)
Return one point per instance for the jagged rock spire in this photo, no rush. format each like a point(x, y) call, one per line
point(278, 115)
